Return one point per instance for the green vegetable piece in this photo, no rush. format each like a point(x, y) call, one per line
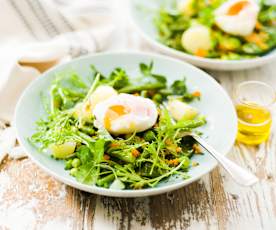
point(149, 136)
point(146, 69)
point(84, 154)
point(251, 48)
point(88, 172)
point(267, 15)
point(87, 130)
point(206, 16)
point(229, 43)
point(98, 150)
point(144, 93)
point(231, 56)
point(190, 124)
point(76, 162)
point(105, 180)
point(68, 164)
point(118, 78)
point(179, 87)
point(186, 162)
point(138, 88)
point(73, 172)
point(125, 156)
point(157, 98)
point(146, 171)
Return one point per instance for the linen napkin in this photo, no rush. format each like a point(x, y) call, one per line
point(38, 34)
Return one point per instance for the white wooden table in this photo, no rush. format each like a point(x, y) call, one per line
point(30, 199)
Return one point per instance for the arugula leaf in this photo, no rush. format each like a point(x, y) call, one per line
point(84, 154)
point(179, 87)
point(206, 16)
point(88, 172)
point(147, 71)
point(118, 78)
point(97, 149)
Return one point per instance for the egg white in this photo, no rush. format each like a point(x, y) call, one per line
point(142, 114)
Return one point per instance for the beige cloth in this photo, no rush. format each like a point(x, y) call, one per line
point(37, 34)
point(42, 33)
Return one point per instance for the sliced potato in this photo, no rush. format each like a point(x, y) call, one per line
point(83, 111)
point(181, 111)
point(102, 93)
point(197, 38)
point(186, 7)
point(64, 150)
point(117, 184)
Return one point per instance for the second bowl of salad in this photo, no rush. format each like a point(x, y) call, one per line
point(217, 34)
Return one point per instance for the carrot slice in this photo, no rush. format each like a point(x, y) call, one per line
point(196, 94)
point(135, 152)
point(106, 157)
point(258, 39)
point(258, 25)
point(201, 53)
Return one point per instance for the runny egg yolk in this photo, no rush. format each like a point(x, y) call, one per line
point(237, 7)
point(114, 112)
point(125, 114)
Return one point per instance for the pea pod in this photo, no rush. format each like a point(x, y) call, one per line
point(125, 156)
point(138, 88)
point(105, 180)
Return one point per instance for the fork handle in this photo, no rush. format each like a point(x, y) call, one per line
point(240, 175)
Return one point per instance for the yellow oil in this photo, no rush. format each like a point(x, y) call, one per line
point(254, 123)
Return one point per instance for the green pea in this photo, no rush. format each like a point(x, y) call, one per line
point(186, 162)
point(76, 162)
point(68, 164)
point(149, 136)
point(157, 98)
point(73, 171)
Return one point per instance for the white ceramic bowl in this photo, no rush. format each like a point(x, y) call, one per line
point(143, 11)
point(220, 131)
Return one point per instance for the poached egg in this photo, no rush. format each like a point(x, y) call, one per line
point(126, 113)
point(237, 17)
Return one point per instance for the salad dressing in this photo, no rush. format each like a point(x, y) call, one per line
point(254, 123)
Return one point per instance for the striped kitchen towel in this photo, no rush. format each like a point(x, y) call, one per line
point(37, 34)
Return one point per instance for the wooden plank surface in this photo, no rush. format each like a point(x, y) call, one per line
point(30, 199)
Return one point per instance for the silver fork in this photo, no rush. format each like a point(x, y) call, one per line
point(239, 174)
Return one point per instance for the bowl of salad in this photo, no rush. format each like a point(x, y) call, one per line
point(113, 124)
point(216, 34)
